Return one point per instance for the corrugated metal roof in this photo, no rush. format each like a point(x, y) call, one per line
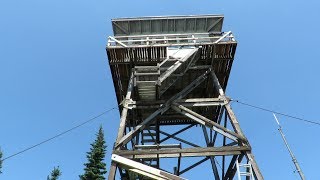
point(167, 25)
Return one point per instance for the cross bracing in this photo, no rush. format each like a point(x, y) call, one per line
point(175, 80)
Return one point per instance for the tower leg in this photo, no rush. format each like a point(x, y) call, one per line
point(236, 126)
point(135, 162)
point(112, 171)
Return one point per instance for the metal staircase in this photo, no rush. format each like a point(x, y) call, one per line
point(176, 65)
point(153, 81)
point(146, 78)
point(149, 137)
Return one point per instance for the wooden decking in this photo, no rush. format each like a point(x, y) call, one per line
point(217, 56)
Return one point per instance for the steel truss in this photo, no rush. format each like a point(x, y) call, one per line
point(224, 146)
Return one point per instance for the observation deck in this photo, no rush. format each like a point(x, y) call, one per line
point(165, 54)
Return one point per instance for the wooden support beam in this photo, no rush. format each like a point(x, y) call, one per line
point(125, 139)
point(122, 126)
point(224, 144)
point(144, 169)
point(186, 152)
point(217, 84)
point(112, 171)
point(157, 146)
point(249, 155)
point(207, 122)
point(163, 109)
point(201, 102)
point(235, 124)
point(192, 102)
point(212, 158)
point(124, 112)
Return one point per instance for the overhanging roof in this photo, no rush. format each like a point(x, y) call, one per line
point(167, 25)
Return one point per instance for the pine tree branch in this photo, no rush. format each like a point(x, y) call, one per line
point(55, 174)
point(95, 168)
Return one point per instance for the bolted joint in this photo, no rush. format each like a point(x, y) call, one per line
point(128, 103)
point(225, 99)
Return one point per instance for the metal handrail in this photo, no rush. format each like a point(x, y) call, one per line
point(172, 39)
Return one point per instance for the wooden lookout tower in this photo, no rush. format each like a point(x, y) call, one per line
point(170, 74)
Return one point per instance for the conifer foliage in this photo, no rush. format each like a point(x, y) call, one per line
point(95, 168)
point(55, 174)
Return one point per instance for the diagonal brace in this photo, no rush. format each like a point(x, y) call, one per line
point(179, 139)
point(176, 133)
point(206, 122)
point(125, 139)
point(144, 169)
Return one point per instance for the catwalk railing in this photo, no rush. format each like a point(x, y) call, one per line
point(170, 40)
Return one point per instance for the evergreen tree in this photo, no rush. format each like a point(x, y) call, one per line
point(0, 161)
point(95, 168)
point(55, 174)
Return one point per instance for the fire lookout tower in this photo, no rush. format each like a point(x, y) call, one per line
point(170, 75)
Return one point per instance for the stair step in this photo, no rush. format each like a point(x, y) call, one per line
point(245, 174)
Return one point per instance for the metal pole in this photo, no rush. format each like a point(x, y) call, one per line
point(291, 153)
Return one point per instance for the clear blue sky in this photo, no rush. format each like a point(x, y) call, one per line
point(54, 74)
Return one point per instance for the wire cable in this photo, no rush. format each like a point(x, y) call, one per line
point(217, 163)
point(58, 135)
point(280, 113)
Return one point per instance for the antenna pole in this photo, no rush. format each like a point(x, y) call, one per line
point(291, 153)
